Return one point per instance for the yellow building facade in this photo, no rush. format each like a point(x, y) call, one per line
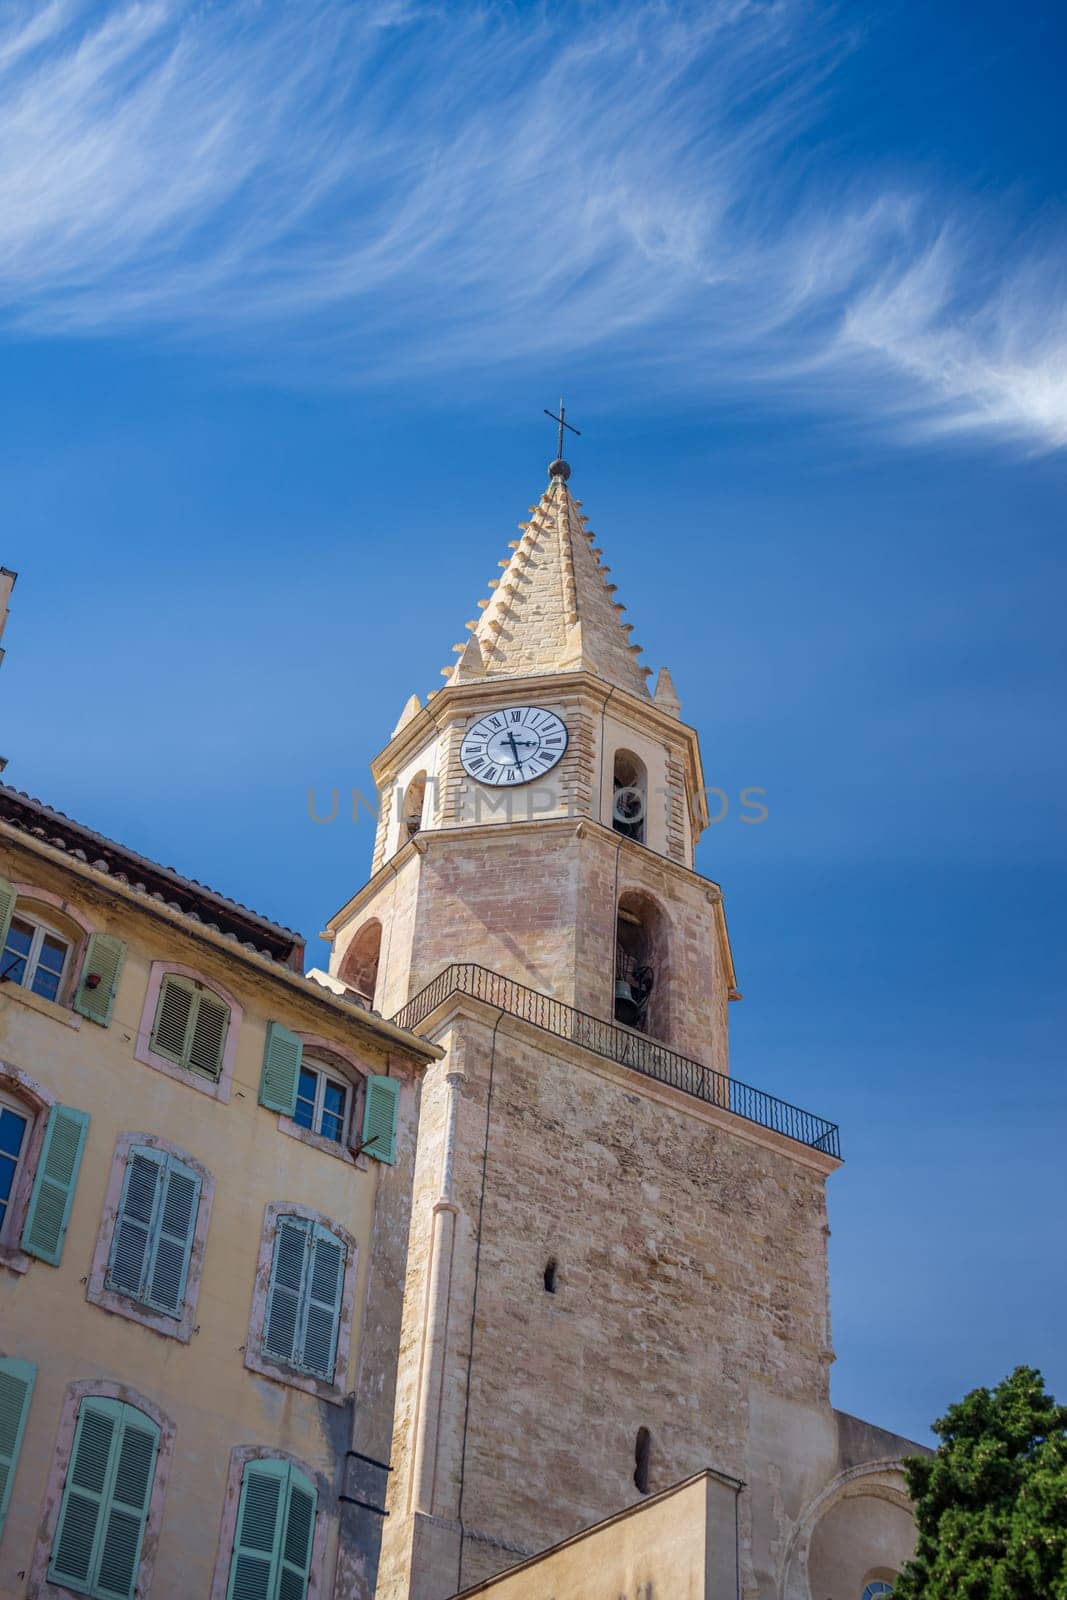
point(205, 1169)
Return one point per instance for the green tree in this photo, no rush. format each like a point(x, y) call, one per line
point(991, 1504)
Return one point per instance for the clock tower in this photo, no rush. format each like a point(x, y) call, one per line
point(616, 1271)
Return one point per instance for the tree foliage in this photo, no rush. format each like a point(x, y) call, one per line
point(991, 1504)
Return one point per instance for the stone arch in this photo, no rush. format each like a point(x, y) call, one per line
point(855, 1496)
point(642, 964)
point(359, 968)
point(629, 792)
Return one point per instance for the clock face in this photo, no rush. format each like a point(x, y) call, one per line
point(504, 748)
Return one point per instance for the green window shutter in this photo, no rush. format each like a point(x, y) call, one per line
point(256, 1560)
point(173, 1243)
point(322, 1310)
point(286, 1294)
point(97, 1548)
point(53, 1188)
point(191, 1026)
point(173, 1015)
point(211, 1021)
point(281, 1069)
point(125, 1510)
point(380, 1107)
point(299, 1537)
point(78, 1531)
point(7, 906)
point(103, 959)
point(136, 1222)
point(16, 1387)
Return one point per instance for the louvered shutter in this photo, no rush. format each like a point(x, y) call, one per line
point(103, 959)
point(125, 1511)
point(299, 1537)
point(211, 1018)
point(173, 1242)
point(16, 1387)
point(380, 1107)
point(172, 1018)
point(52, 1196)
point(322, 1310)
point(282, 1057)
point(135, 1225)
point(7, 907)
point(84, 1493)
point(285, 1297)
point(256, 1559)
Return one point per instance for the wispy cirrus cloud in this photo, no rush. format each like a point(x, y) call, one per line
point(394, 189)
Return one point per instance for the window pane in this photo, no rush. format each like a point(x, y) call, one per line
point(45, 983)
point(7, 1177)
point(304, 1114)
point(12, 1131)
point(333, 1110)
point(19, 939)
point(53, 953)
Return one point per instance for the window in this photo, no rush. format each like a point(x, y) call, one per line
point(34, 956)
point(14, 1138)
point(153, 1235)
point(275, 1531)
point(551, 1276)
point(191, 1025)
point(97, 1545)
point(304, 1298)
point(322, 1102)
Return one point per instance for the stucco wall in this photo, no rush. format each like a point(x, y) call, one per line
point(680, 1545)
point(203, 1385)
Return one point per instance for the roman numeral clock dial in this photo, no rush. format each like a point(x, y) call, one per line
point(505, 748)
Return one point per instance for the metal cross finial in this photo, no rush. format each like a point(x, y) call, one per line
point(563, 423)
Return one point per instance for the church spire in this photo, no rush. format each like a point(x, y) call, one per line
point(554, 609)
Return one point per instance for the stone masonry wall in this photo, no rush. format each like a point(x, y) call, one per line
point(690, 1261)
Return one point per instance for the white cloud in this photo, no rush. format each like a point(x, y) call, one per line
point(359, 192)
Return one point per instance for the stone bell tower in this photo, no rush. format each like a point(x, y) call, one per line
point(612, 1243)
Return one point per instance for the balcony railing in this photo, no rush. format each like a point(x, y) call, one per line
point(626, 1047)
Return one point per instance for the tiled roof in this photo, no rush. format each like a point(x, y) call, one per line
point(195, 900)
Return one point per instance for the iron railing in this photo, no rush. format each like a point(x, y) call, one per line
point(624, 1046)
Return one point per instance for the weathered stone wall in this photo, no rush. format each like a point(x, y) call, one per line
point(690, 1259)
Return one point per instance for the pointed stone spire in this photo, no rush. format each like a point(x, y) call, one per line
point(553, 609)
point(666, 695)
point(411, 709)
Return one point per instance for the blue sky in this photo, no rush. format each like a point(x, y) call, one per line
point(283, 291)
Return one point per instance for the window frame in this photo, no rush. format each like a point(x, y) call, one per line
point(98, 1292)
point(326, 1055)
point(27, 1094)
point(39, 1584)
point(39, 932)
point(9, 1102)
point(34, 904)
point(217, 1088)
point(335, 1390)
point(325, 1513)
point(323, 1076)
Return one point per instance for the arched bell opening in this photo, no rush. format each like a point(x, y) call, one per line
point(641, 965)
point(629, 796)
point(359, 968)
point(414, 803)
